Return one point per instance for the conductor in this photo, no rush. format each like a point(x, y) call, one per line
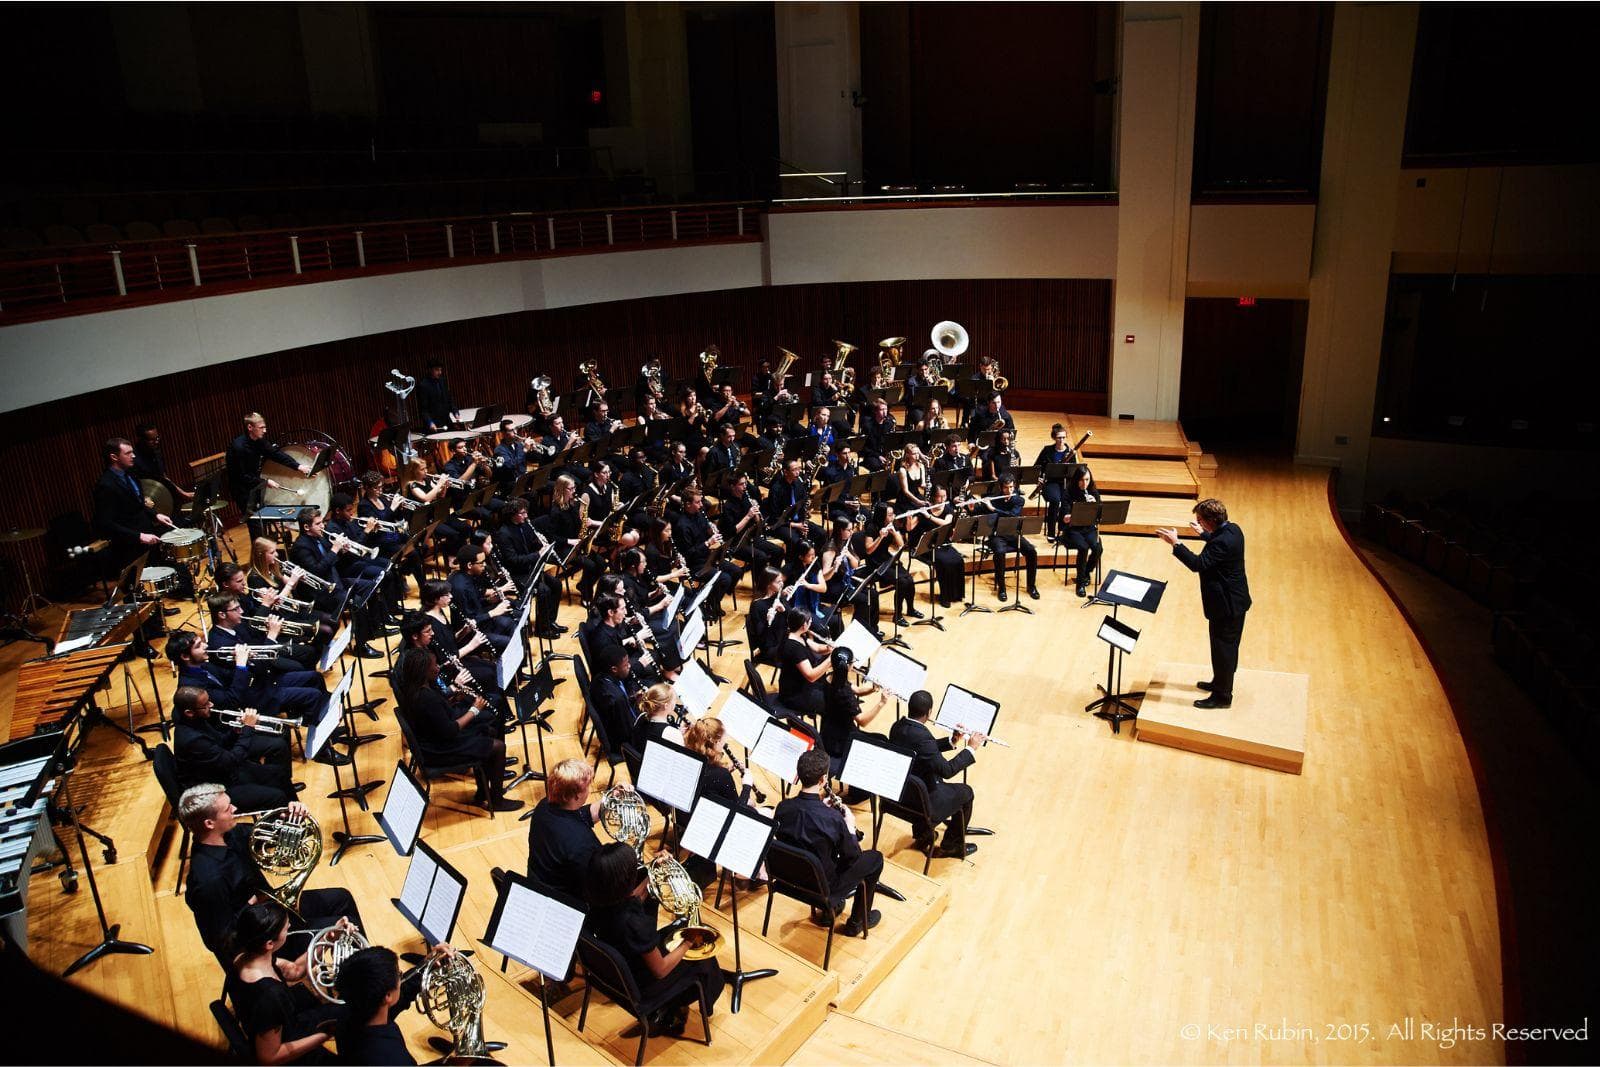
point(1224, 592)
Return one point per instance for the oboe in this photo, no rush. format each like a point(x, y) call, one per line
point(744, 772)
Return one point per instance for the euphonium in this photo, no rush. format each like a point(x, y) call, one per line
point(783, 369)
point(889, 355)
point(589, 368)
point(282, 843)
point(843, 374)
point(677, 892)
point(625, 818)
point(452, 998)
point(541, 391)
point(708, 359)
point(652, 376)
point(328, 950)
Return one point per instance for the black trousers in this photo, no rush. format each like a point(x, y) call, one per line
point(1225, 634)
point(950, 799)
point(1087, 542)
point(1052, 494)
point(1001, 545)
point(863, 872)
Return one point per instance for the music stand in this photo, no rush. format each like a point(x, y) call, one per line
point(975, 529)
point(734, 838)
point(320, 735)
point(539, 928)
point(1121, 589)
point(927, 549)
point(880, 768)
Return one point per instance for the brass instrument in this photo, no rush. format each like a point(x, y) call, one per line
point(589, 369)
point(326, 953)
point(452, 999)
point(708, 360)
point(677, 892)
point(265, 723)
point(652, 377)
point(343, 543)
point(783, 371)
point(296, 574)
point(541, 391)
point(889, 355)
point(935, 363)
point(936, 452)
point(284, 843)
point(292, 627)
point(996, 379)
point(950, 339)
point(386, 525)
point(625, 817)
point(403, 503)
point(256, 651)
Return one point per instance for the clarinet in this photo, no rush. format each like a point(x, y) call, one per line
point(455, 664)
point(744, 772)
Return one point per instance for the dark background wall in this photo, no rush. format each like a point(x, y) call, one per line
point(1241, 370)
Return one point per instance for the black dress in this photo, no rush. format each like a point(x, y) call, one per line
point(630, 928)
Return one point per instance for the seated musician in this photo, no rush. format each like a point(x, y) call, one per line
point(874, 452)
point(741, 524)
point(1001, 457)
point(314, 551)
point(510, 460)
point(1010, 506)
point(284, 627)
point(843, 572)
point(1054, 490)
point(284, 1020)
point(1085, 539)
point(124, 517)
point(475, 654)
point(929, 763)
point(956, 458)
point(678, 470)
point(273, 591)
point(647, 596)
point(699, 540)
point(842, 712)
point(726, 408)
point(725, 455)
point(764, 630)
point(949, 565)
point(828, 831)
point(708, 738)
point(650, 410)
point(822, 429)
point(346, 527)
point(991, 416)
point(821, 581)
point(522, 547)
point(878, 546)
point(452, 729)
point(788, 506)
point(252, 764)
point(489, 610)
point(601, 494)
point(658, 708)
point(561, 835)
point(374, 506)
point(623, 915)
point(223, 877)
point(560, 524)
point(614, 693)
point(600, 425)
point(802, 661)
point(373, 993)
point(229, 628)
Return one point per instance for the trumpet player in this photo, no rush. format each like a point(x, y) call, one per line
point(224, 879)
point(252, 764)
point(317, 553)
point(387, 529)
point(297, 634)
point(229, 629)
point(600, 425)
point(273, 591)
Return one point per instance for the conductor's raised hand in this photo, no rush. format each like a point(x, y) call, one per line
point(1169, 535)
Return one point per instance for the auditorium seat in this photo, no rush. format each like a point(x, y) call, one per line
point(215, 224)
point(102, 233)
point(57, 235)
point(142, 231)
point(180, 228)
point(20, 238)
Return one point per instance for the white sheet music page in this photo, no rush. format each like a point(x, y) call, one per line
point(694, 628)
point(336, 647)
point(859, 639)
point(441, 907)
point(323, 730)
point(900, 675)
point(1128, 587)
point(777, 750)
point(742, 718)
point(1114, 636)
point(705, 826)
point(670, 776)
point(876, 769)
point(537, 930)
point(403, 808)
point(419, 879)
point(511, 658)
point(696, 690)
point(966, 711)
point(745, 841)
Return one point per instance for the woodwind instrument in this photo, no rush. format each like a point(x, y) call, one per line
point(744, 772)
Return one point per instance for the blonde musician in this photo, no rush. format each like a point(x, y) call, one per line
point(417, 484)
point(657, 713)
point(911, 480)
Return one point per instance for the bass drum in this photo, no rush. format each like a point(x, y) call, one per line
point(314, 490)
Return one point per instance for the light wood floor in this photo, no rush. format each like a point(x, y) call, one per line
point(1131, 891)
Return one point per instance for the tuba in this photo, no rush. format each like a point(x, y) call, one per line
point(889, 355)
point(452, 998)
point(625, 818)
point(285, 844)
point(589, 368)
point(708, 360)
point(1000, 382)
point(677, 892)
point(541, 389)
point(652, 377)
point(328, 950)
point(950, 338)
point(783, 370)
point(843, 374)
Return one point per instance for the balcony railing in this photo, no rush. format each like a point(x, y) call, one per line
point(38, 285)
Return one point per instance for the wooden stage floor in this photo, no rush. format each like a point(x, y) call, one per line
point(1135, 900)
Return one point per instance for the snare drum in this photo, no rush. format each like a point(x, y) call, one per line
point(185, 545)
point(157, 582)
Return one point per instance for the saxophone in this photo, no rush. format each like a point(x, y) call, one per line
point(585, 534)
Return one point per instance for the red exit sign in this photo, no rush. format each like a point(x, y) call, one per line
point(1247, 301)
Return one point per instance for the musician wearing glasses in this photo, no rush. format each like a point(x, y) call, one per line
point(1054, 490)
point(946, 799)
point(315, 552)
point(452, 727)
point(236, 685)
point(727, 407)
point(246, 454)
point(224, 879)
point(252, 764)
point(298, 654)
point(469, 585)
point(828, 831)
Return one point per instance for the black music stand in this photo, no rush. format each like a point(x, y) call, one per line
point(714, 854)
point(110, 943)
point(927, 549)
point(357, 790)
point(976, 529)
point(1113, 705)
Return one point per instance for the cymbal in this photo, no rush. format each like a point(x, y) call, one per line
point(14, 534)
point(218, 505)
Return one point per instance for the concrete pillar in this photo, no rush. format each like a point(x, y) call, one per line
point(1369, 80)
point(1160, 52)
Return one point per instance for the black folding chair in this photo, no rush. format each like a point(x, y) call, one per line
point(604, 969)
point(165, 765)
point(797, 873)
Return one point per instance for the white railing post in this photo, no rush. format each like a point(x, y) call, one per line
point(740, 213)
point(294, 251)
point(494, 235)
point(611, 238)
point(194, 264)
point(449, 240)
point(116, 271)
point(674, 224)
point(550, 228)
point(361, 249)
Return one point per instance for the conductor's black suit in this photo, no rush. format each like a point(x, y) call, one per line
point(1225, 597)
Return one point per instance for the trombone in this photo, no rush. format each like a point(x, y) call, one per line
point(271, 724)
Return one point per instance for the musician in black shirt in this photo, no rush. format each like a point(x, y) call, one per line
point(1010, 506)
point(246, 454)
point(447, 733)
point(373, 994)
point(1085, 539)
point(252, 764)
point(828, 831)
point(1054, 490)
point(436, 409)
point(946, 799)
point(561, 835)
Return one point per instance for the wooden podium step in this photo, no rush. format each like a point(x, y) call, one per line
point(1266, 726)
point(1137, 438)
point(847, 1039)
point(1150, 477)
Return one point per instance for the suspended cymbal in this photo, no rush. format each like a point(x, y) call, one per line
point(15, 534)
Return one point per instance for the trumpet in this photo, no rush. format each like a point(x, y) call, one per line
point(341, 543)
point(296, 574)
point(289, 603)
point(266, 723)
point(403, 503)
point(386, 525)
point(256, 651)
point(292, 627)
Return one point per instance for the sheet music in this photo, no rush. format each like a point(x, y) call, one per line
point(402, 811)
point(777, 750)
point(694, 628)
point(859, 639)
point(1117, 637)
point(538, 931)
point(673, 734)
point(744, 844)
point(331, 718)
point(419, 879)
point(742, 718)
point(875, 768)
point(899, 674)
point(677, 599)
point(441, 907)
point(668, 775)
point(705, 826)
point(511, 658)
point(965, 711)
point(336, 647)
point(696, 691)
point(1128, 587)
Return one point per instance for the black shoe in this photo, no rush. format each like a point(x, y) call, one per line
point(821, 918)
point(879, 634)
point(299, 787)
point(497, 877)
point(1204, 687)
point(1033, 592)
point(922, 845)
point(548, 633)
point(504, 804)
point(853, 927)
point(332, 757)
point(169, 612)
point(1083, 590)
point(901, 621)
point(949, 852)
point(913, 613)
point(558, 628)
point(366, 651)
point(1000, 591)
point(1214, 702)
